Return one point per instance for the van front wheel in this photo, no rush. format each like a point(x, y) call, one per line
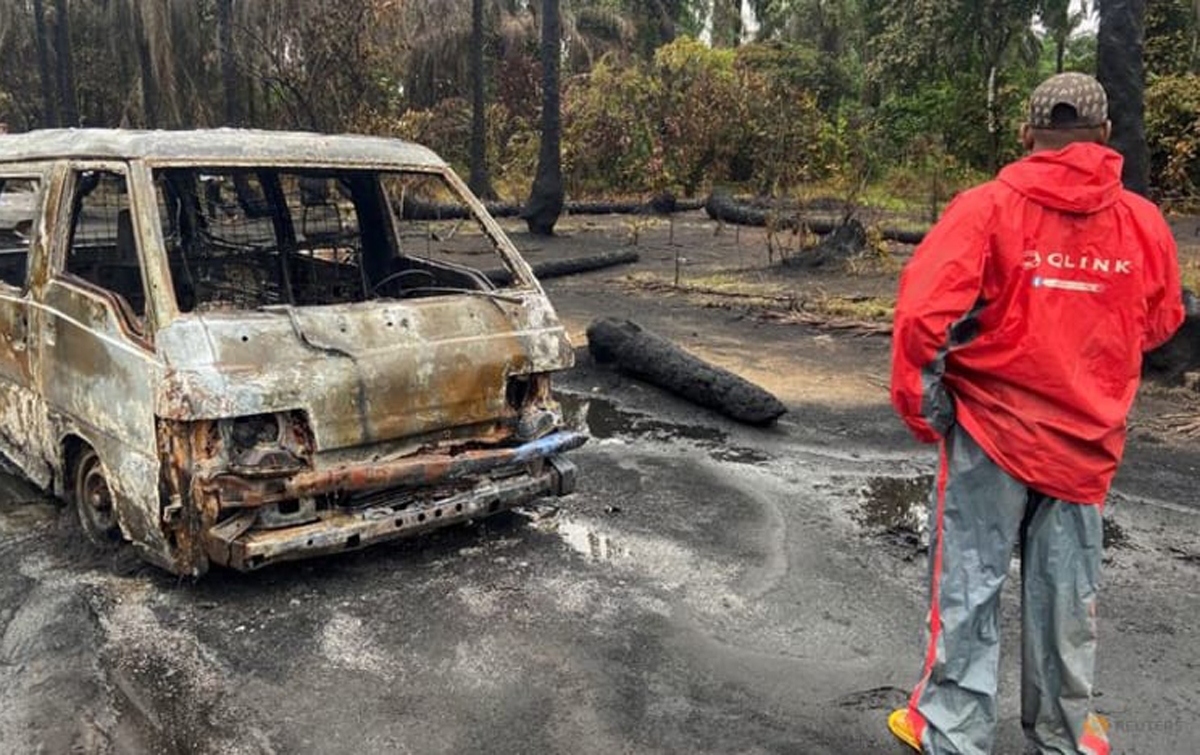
point(94, 501)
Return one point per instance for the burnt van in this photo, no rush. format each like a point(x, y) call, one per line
point(240, 347)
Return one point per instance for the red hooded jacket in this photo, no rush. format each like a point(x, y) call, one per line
point(1024, 315)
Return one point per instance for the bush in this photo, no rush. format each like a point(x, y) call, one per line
point(692, 116)
point(1173, 131)
point(445, 128)
point(800, 68)
point(608, 142)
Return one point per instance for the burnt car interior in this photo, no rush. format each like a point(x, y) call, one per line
point(103, 248)
point(244, 239)
point(18, 210)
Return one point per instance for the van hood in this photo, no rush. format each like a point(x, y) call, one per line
point(361, 373)
point(1082, 178)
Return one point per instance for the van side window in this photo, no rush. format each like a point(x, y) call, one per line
point(103, 249)
point(20, 206)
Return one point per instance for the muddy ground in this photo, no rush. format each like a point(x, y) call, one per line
point(709, 589)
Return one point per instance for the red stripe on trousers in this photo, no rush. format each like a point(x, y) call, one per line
point(915, 719)
point(1093, 745)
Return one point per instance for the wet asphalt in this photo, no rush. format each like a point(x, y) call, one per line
point(708, 589)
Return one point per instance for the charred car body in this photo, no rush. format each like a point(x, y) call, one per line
point(244, 347)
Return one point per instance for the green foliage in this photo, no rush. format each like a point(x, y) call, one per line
point(608, 141)
point(800, 67)
point(446, 128)
point(1173, 124)
point(785, 138)
point(692, 116)
point(972, 45)
point(1171, 37)
point(695, 117)
point(953, 112)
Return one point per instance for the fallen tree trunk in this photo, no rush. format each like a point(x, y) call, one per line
point(646, 356)
point(725, 208)
point(415, 209)
point(556, 268)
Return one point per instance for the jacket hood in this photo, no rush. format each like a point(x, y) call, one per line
point(1081, 178)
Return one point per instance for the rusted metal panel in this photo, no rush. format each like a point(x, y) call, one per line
point(98, 384)
point(24, 436)
point(360, 373)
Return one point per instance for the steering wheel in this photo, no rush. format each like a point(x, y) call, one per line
point(397, 276)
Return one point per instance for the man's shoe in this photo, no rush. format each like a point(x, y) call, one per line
point(898, 723)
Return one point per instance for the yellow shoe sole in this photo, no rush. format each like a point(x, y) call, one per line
point(898, 724)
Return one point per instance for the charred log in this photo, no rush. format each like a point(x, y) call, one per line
point(415, 209)
point(641, 354)
point(557, 268)
point(726, 209)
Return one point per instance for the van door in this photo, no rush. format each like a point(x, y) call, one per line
point(98, 368)
point(22, 414)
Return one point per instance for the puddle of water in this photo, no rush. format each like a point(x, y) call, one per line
point(603, 420)
point(898, 506)
point(895, 503)
point(590, 543)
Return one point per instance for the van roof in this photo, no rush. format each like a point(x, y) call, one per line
point(214, 146)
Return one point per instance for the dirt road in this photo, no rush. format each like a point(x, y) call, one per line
point(709, 589)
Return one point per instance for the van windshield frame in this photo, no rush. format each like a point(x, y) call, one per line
point(248, 238)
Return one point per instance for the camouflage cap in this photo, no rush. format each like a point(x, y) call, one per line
point(1079, 91)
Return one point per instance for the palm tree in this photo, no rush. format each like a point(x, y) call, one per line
point(65, 67)
point(45, 77)
point(546, 198)
point(229, 78)
point(480, 183)
point(1121, 69)
point(1061, 22)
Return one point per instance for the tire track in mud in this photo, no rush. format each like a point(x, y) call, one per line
point(167, 677)
point(86, 667)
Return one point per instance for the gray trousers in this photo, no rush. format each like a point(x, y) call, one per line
point(979, 515)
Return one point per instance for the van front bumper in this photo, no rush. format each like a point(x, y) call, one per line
point(239, 543)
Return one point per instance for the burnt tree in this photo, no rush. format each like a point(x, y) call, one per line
point(146, 68)
point(229, 79)
point(546, 199)
point(45, 76)
point(479, 182)
point(1121, 69)
point(65, 65)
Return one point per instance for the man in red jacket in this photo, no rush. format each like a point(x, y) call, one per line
point(1019, 332)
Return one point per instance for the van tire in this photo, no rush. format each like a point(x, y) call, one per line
point(93, 501)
